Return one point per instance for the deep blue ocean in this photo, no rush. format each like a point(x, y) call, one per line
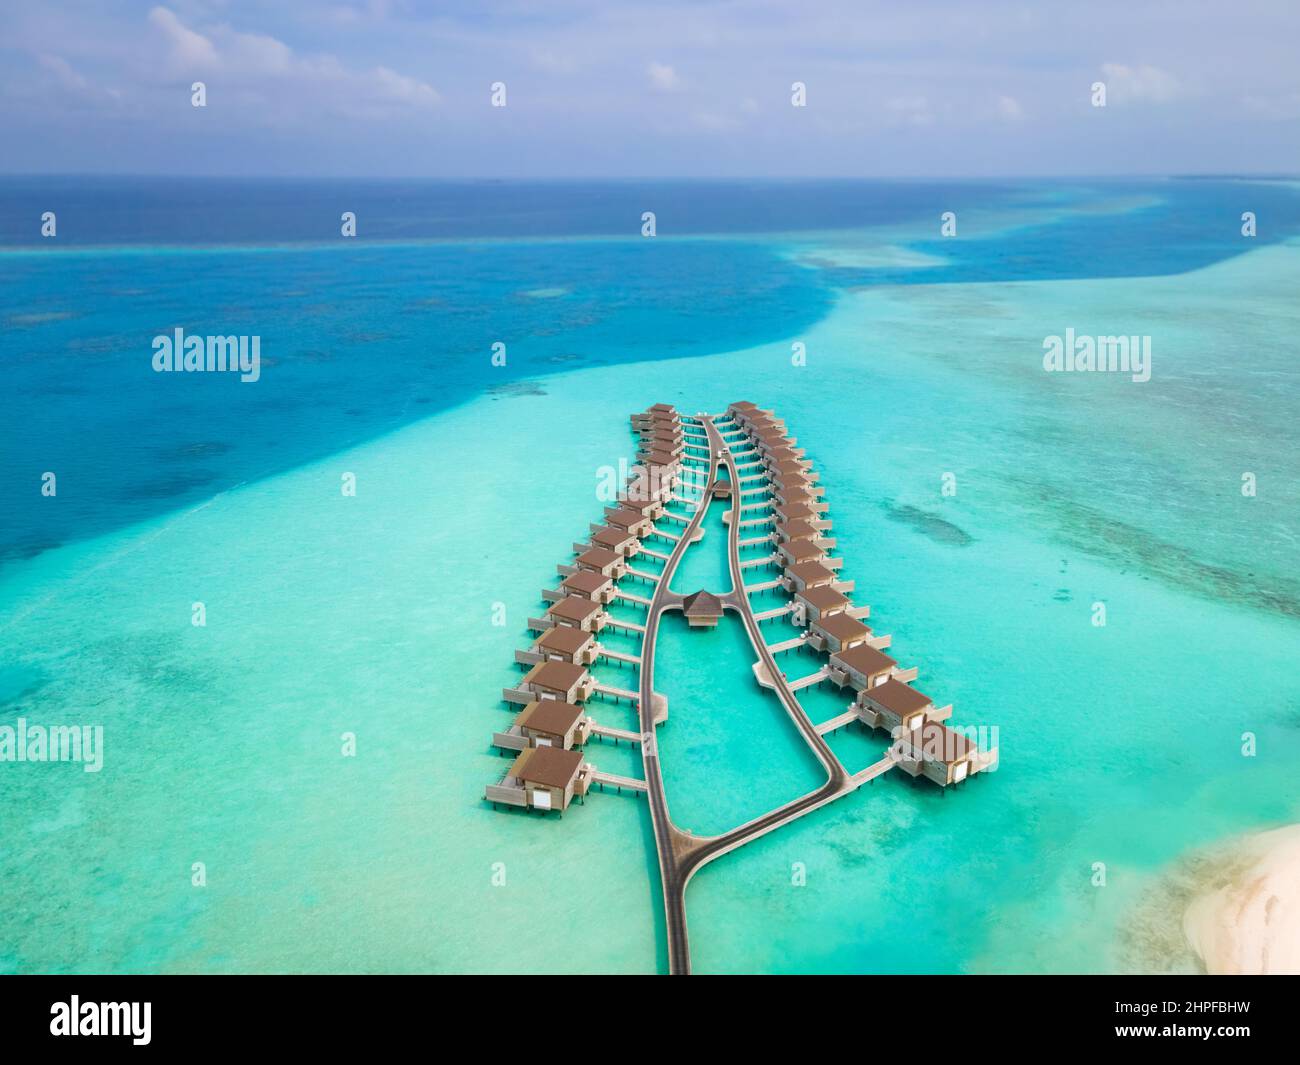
point(361, 336)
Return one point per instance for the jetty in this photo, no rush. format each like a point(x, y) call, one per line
point(780, 549)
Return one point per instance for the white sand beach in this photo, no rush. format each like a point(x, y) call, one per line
point(1252, 925)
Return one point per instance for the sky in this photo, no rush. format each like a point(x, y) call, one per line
point(926, 88)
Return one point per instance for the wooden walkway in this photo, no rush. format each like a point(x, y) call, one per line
point(811, 679)
point(618, 656)
point(615, 781)
point(846, 718)
point(631, 597)
point(615, 733)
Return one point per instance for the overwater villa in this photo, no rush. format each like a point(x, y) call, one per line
point(893, 704)
point(593, 586)
point(631, 521)
point(863, 667)
point(602, 560)
point(661, 459)
point(653, 484)
point(567, 681)
point(648, 508)
point(564, 644)
point(822, 601)
point(837, 632)
point(941, 754)
point(577, 613)
point(656, 421)
point(554, 723)
point(800, 529)
point(620, 541)
point(790, 470)
point(806, 493)
point(808, 575)
point(544, 778)
point(775, 457)
point(796, 551)
point(546, 723)
point(668, 443)
point(785, 512)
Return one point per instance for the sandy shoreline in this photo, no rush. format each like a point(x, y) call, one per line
point(1251, 924)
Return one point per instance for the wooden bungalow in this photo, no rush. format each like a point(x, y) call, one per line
point(651, 421)
point(650, 484)
point(939, 753)
point(796, 529)
point(594, 586)
point(620, 541)
point(837, 632)
point(671, 443)
point(786, 512)
point(821, 602)
point(602, 560)
point(632, 521)
point(762, 421)
point(558, 680)
point(576, 612)
point(892, 705)
point(554, 723)
point(549, 777)
point(794, 552)
point(648, 508)
point(784, 472)
point(861, 667)
point(807, 494)
point(776, 456)
point(659, 459)
point(564, 644)
point(770, 440)
point(808, 575)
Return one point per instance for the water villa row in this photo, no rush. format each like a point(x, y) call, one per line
point(783, 507)
point(618, 562)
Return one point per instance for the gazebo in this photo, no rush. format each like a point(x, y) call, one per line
point(702, 609)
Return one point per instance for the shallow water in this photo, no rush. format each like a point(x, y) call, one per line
point(374, 615)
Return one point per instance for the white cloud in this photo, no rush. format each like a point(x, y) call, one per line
point(1010, 109)
point(663, 78)
point(73, 83)
point(1125, 84)
point(188, 49)
point(909, 111)
point(260, 65)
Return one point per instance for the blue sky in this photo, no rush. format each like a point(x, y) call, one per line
point(925, 88)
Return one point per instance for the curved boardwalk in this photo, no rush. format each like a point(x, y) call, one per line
point(681, 854)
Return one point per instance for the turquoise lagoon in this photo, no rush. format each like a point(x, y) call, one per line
point(373, 615)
